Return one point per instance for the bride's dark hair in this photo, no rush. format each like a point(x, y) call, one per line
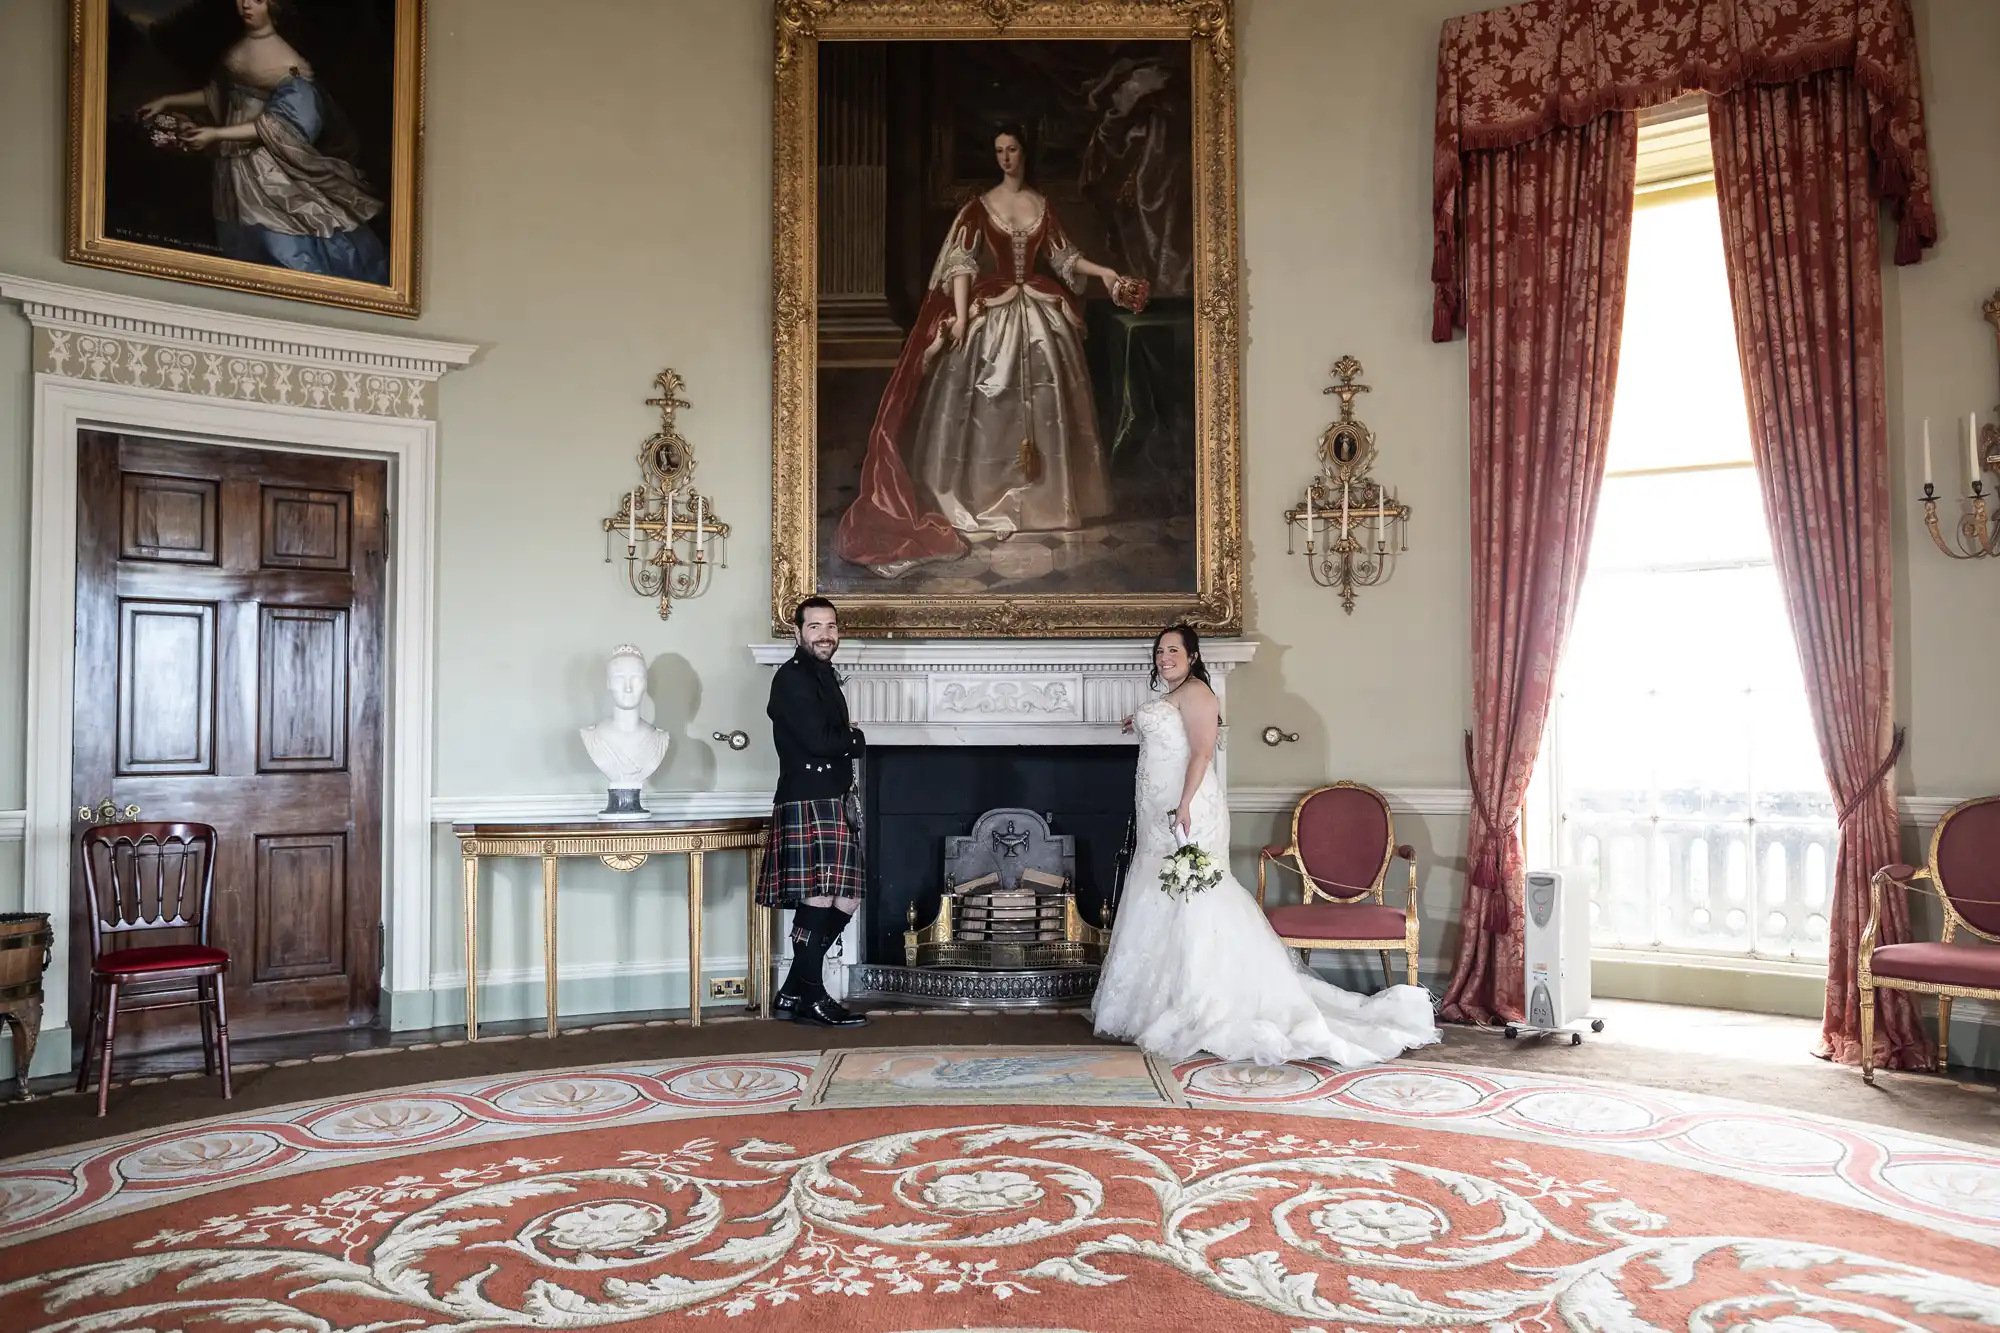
point(1192, 643)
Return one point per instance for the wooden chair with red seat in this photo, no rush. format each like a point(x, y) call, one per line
point(143, 878)
point(1343, 840)
point(1964, 869)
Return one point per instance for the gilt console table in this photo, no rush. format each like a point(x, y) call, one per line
point(624, 845)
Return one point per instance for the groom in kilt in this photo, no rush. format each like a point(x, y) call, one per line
point(812, 865)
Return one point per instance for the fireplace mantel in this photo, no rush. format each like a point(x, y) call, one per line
point(1002, 691)
point(1033, 692)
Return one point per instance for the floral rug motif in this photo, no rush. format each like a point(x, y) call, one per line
point(994, 1076)
point(1296, 1198)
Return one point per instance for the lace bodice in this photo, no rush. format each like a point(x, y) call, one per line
point(1163, 760)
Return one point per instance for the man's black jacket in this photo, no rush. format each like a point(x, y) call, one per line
point(809, 722)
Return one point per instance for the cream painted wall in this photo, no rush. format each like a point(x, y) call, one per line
point(1942, 362)
point(597, 206)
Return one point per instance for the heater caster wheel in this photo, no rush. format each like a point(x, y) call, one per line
point(1510, 1032)
point(1597, 1025)
point(1576, 1039)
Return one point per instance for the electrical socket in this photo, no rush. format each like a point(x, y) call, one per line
point(727, 988)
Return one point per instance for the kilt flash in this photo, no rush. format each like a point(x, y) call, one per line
point(812, 853)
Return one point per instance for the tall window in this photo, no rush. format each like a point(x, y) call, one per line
point(1681, 774)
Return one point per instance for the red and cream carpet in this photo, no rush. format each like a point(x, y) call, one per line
point(1021, 1188)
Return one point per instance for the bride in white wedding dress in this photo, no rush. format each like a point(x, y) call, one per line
point(1207, 972)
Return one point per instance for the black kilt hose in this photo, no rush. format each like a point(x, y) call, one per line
point(813, 853)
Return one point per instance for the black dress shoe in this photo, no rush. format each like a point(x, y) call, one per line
point(825, 1011)
point(785, 1004)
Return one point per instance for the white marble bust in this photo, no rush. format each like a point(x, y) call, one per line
point(625, 748)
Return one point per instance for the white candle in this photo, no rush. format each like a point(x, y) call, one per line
point(1972, 444)
point(700, 533)
point(1309, 512)
point(1343, 511)
point(1927, 455)
point(632, 520)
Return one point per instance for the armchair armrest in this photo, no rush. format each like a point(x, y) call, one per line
point(1271, 852)
point(1875, 912)
point(1407, 852)
point(1899, 872)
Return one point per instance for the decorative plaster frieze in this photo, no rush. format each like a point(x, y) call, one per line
point(1059, 697)
point(13, 825)
point(97, 338)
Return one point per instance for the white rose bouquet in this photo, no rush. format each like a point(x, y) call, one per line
point(1188, 871)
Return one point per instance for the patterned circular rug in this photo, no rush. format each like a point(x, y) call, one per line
point(1018, 1188)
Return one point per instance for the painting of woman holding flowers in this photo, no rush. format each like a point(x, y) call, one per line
point(268, 145)
point(287, 190)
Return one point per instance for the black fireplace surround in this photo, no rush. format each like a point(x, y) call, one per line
point(916, 796)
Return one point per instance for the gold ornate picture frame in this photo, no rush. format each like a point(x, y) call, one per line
point(274, 150)
point(1102, 496)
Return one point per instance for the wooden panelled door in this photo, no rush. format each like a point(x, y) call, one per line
point(229, 670)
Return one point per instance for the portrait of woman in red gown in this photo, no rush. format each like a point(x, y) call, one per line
point(988, 426)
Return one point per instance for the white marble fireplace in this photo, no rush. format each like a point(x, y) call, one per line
point(984, 692)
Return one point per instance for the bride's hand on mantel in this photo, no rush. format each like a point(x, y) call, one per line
point(1126, 725)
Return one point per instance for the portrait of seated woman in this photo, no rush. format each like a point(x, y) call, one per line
point(265, 133)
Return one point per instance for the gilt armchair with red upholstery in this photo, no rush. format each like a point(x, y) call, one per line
point(1964, 871)
point(1343, 840)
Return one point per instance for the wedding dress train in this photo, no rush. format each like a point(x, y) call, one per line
point(1207, 972)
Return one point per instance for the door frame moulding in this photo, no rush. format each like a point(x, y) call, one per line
point(105, 362)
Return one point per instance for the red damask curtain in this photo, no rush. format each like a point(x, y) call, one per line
point(1799, 233)
point(1548, 227)
point(1541, 91)
point(1510, 75)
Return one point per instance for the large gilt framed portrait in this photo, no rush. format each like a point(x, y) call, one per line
point(1006, 312)
point(265, 145)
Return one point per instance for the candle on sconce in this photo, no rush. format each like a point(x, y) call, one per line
point(632, 520)
point(1972, 446)
point(1928, 485)
point(700, 533)
point(1343, 510)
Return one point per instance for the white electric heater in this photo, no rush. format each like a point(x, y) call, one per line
point(1556, 949)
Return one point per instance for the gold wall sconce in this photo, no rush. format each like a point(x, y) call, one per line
point(1354, 526)
point(666, 523)
point(1975, 535)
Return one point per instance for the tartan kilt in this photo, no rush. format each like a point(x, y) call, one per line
point(812, 853)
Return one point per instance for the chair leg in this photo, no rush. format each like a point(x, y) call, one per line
point(1410, 964)
point(202, 996)
point(1868, 1035)
point(1944, 1033)
point(1388, 977)
point(90, 1033)
point(104, 1049)
point(222, 1032)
